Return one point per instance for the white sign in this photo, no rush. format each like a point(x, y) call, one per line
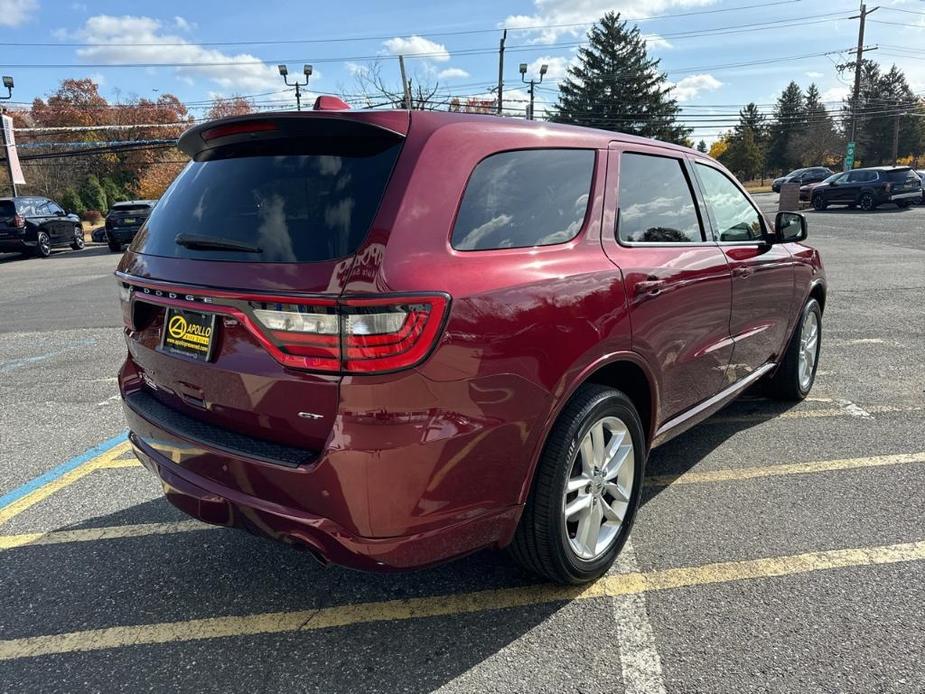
point(9, 141)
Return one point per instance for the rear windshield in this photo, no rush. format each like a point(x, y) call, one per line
point(900, 176)
point(131, 208)
point(297, 201)
point(6, 208)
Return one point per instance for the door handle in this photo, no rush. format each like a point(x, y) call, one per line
point(742, 271)
point(650, 286)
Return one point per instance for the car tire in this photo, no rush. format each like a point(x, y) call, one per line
point(115, 247)
point(42, 245)
point(78, 243)
point(543, 542)
point(819, 202)
point(796, 374)
point(866, 202)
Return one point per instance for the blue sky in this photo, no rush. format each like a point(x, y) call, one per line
point(459, 42)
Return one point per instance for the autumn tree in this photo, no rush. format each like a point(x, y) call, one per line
point(232, 106)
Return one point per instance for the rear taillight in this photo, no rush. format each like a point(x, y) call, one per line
point(19, 221)
point(125, 301)
point(354, 335)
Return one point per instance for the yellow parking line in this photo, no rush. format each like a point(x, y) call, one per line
point(43, 492)
point(744, 473)
point(111, 532)
point(695, 477)
point(449, 605)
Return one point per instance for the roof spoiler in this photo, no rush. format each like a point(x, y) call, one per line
point(272, 126)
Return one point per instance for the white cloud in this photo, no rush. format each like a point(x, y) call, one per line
point(814, 75)
point(692, 85)
point(237, 73)
point(99, 78)
point(557, 67)
point(836, 93)
point(415, 44)
point(452, 73)
point(183, 24)
point(553, 13)
point(16, 12)
point(355, 68)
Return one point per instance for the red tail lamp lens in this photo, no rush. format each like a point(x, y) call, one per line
point(356, 335)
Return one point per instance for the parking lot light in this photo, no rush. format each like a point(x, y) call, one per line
point(8, 83)
point(307, 71)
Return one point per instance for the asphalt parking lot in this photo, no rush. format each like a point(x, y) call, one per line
point(778, 549)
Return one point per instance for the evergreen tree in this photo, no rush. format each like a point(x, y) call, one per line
point(788, 121)
point(702, 146)
point(745, 154)
point(818, 143)
point(617, 86)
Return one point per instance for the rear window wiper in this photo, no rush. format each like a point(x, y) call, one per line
point(214, 243)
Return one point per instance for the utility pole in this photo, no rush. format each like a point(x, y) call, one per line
point(405, 86)
point(307, 71)
point(501, 72)
point(856, 93)
point(896, 136)
point(532, 83)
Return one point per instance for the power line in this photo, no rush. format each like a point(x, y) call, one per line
point(346, 39)
point(717, 31)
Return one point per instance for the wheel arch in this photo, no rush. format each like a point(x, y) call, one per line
point(625, 371)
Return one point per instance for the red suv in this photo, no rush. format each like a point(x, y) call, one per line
point(396, 338)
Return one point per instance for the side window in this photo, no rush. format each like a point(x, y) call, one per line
point(53, 208)
point(533, 197)
point(26, 208)
point(656, 203)
point(856, 176)
point(735, 217)
point(42, 209)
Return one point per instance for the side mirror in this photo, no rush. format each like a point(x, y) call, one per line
point(59, 213)
point(789, 227)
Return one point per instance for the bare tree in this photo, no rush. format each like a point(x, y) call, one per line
point(377, 90)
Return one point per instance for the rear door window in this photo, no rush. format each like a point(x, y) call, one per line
point(535, 197)
point(290, 201)
point(656, 202)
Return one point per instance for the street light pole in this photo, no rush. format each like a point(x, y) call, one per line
point(8, 83)
point(532, 83)
point(307, 71)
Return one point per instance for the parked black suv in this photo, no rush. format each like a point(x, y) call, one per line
point(866, 188)
point(32, 224)
point(813, 174)
point(124, 220)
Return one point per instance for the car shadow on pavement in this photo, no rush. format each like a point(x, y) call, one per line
point(215, 572)
point(683, 453)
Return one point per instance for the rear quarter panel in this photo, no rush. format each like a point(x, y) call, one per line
point(523, 324)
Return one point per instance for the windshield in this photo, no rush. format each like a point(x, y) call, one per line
point(833, 177)
point(289, 202)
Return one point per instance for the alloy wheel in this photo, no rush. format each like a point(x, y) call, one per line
point(78, 238)
point(867, 202)
point(809, 349)
point(44, 244)
point(599, 487)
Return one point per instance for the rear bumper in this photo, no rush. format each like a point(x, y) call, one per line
point(321, 503)
point(329, 542)
point(121, 234)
